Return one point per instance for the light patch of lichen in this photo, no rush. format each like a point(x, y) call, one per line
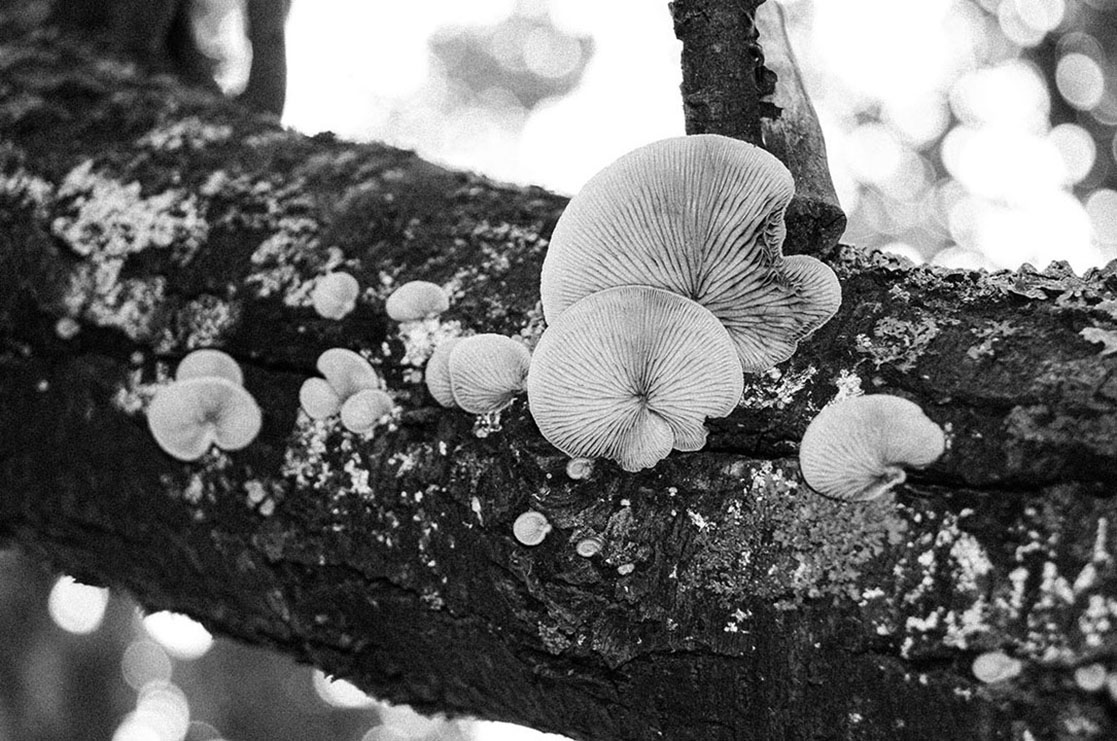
point(422, 336)
point(290, 261)
point(189, 133)
point(781, 542)
point(989, 334)
point(899, 342)
point(202, 322)
point(104, 222)
point(1107, 338)
point(776, 388)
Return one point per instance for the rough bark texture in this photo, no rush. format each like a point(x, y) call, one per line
point(729, 601)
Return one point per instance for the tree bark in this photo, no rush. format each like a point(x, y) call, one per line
point(142, 219)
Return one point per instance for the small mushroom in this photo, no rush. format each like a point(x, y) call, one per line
point(347, 372)
point(701, 216)
point(187, 417)
point(318, 398)
point(335, 295)
point(417, 299)
point(996, 666)
point(855, 449)
point(579, 468)
point(531, 527)
point(208, 362)
point(629, 373)
point(590, 546)
point(364, 409)
point(437, 374)
point(1091, 677)
point(487, 371)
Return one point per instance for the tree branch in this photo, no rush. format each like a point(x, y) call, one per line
point(729, 602)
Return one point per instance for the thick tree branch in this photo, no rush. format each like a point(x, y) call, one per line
point(729, 602)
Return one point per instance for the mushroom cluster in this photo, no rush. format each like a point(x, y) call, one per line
point(350, 387)
point(663, 283)
point(206, 405)
point(481, 374)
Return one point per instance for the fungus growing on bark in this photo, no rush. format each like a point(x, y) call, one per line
point(700, 216)
point(364, 409)
point(208, 363)
point(335, 295)
point(188, 416)
point(579, 468)
point(487, 371)
point(437, 373)
point(345, 373)
point(531, 527)
point(417, 299)
point(629, 373)
point(855, 449)
point(996, 666)
point(1091, 677)
point(590, 546)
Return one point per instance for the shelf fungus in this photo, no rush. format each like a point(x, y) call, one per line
point(364, 409)
point(487, 371)
point(415, 300)
point(437, 373)
point(335, 295)
point(209, 363)
point(188, 416)
point(631, 373)
point(346, 373)
point(701, 216)
point(531, 527)
point(855, 450)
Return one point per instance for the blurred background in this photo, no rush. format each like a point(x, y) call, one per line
point(968, 133)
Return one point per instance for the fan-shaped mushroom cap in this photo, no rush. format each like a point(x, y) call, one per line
point(186, 417)
point(855, 449)
point(437, 373)
point(208, 363)
point(629, 373)
point(347, 372)
point(335, 295)
point(487, 371)
point(318, 398)
point(701, 216)
point(364, 409)
point(417, 299)
point(531, 527)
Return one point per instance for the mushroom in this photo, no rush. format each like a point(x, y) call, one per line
point(531, 527)
point(417, 299)
point(996, 666)
point(855, 449)
point(187, 417)
point(335, 295)
point(346, 373)
point(589, 546)
point(579, 468)
point(207, 363)
point(318, 398)
point(487, 371)
point(701, 216)
point(629, 373)
point(364, 409)
point(1091, 677)
point(437, 374)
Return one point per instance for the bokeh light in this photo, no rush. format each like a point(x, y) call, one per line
point(145, 662)
point(1080, 80)
point(77, 608)
point(181, 636)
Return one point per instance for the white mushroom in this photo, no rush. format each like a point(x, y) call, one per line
point(187, 417)
point(417, 299)
point(335, 295)
point(209, 362)
point(487, 371)
point(856, 449)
